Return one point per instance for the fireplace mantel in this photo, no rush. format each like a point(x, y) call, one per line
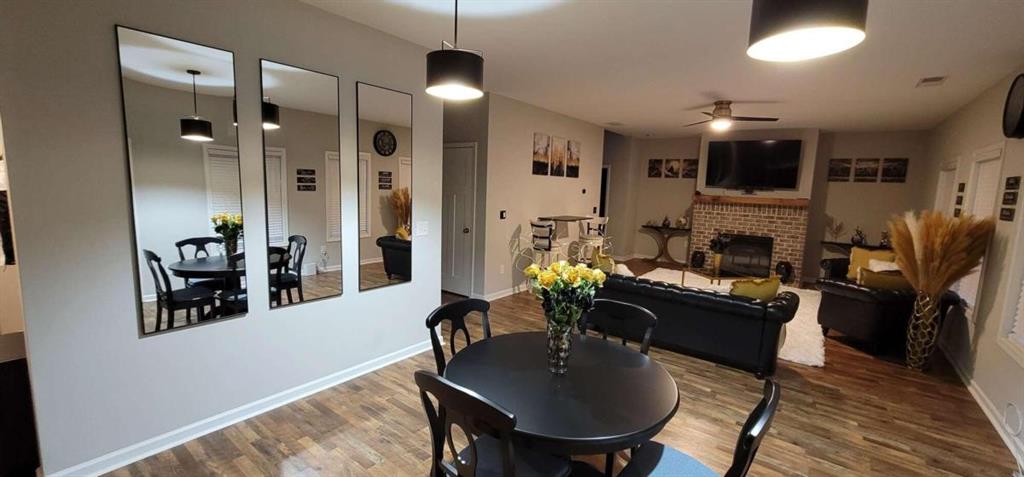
point(750, 200)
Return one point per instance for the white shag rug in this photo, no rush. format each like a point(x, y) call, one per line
point(804, 342)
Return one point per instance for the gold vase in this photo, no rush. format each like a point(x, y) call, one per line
point(716, 264)
point(922, 331)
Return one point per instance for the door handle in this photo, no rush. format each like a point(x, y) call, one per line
point(465, 230)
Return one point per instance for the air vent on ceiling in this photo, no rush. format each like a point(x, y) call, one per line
point(930, 81)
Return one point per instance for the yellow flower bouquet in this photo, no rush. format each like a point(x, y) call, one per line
point(567, 291)
point(230, 228)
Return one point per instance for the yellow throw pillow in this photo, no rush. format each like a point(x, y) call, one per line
point(883, 280)
point(602, 262)
point(763, 289)
point(861, 258)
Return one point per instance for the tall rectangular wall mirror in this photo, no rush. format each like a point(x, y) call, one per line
point(182, 147)
point(385, 185)
point(302, 171)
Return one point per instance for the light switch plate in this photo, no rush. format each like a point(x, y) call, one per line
point(421, 228)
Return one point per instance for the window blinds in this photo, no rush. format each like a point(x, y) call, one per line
point(332, 180)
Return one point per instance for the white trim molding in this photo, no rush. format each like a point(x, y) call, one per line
point(126, 455)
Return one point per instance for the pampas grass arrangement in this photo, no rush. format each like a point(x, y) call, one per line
point(934, 251)
point(401, 204)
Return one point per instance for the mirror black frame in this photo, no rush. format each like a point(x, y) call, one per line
point(412, 154)
point(266, 199)
point(130, 179)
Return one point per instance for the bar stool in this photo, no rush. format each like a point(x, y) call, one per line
point(592, 237)
point(544, 244)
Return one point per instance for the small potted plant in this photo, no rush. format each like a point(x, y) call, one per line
point(229, 226)
point(567, 292)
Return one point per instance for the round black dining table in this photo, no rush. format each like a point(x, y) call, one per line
point(214, 266)
point(612, 397)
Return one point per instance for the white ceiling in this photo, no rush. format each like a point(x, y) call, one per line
point(648, 64)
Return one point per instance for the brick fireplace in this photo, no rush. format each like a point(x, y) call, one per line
point(784, 220)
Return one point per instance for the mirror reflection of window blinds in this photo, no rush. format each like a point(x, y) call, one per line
point(1017, 332)
point(982, 204)
point(332, 179)
point(364, 194)
point(223, 190)
point(277, 230)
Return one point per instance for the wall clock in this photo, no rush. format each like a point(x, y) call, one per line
point(384, 142)
point(1013, 111)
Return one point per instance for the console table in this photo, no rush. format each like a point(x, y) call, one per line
point(662, 234)
point(846, 247)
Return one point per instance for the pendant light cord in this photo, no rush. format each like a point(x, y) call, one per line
point(195, 103)
point(456, 24)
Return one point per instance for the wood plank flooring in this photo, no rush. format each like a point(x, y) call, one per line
point(856, 416)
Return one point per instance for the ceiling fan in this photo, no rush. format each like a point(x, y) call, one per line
point(722, 118)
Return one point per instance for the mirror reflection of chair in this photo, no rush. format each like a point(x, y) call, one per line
point(289, 277)
point(200, 249)
point(545, 247)
point(167, 298)
point(592, 237)
point(235, 300)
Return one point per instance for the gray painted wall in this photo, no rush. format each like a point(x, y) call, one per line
point(97, 386)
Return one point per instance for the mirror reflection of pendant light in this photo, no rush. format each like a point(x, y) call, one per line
point(797, 30)
point(234, 112)
point(454, 73)
point(271, 115)
point(195, 128)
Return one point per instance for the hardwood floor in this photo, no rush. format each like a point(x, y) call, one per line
point(856, 416)
point(371, 275)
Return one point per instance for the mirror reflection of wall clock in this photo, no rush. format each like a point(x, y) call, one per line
point(384, 142)
point(1013, 110)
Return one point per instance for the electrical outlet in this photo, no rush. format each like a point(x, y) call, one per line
point(503, 215)
point(501, 269)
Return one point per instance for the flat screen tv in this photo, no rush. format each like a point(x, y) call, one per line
point(748, 165)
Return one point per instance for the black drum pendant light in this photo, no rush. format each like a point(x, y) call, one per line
point(797, 30)
point(271, 115)
point(454, 73)
point(195, 128)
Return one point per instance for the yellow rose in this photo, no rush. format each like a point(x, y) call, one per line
point(238, 218)
point(571, 275)
point(599, 276)
point(547, 278)
point(558, 266)
point(586, 274)
point(532, 271)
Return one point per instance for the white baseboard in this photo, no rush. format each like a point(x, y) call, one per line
point(367, 261)
point(1015, 445)
point(141, 450)
point(329, 268)
point(501, 293)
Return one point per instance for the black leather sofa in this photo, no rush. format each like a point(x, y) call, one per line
point(875, 317)
point(739, 332)
point(397, 254)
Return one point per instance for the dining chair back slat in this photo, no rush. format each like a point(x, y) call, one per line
point(198, 245)
point(474, 415)
point(754, 430)
point(455, 314)
point(161, 281)
point(621, 319)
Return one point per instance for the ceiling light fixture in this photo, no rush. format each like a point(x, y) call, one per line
point(721, 124)
point(454, 73)
point(195, 128)
point(797, 30)
point(271, 115)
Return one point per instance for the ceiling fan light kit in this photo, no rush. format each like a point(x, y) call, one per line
point(798, 30)
point(454, 73)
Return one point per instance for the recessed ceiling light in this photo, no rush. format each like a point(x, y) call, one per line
point(797, 30)
point(931, 81)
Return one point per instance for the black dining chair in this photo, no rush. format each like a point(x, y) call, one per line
point(620, 319)
point(455, 313)
point(487, 429)
point(235, 300)
point(167, 298)
point(199, 249)
point(291, 276)
point(658, 460)
point(277, 263)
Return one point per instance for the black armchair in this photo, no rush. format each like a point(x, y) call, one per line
point(397, 254)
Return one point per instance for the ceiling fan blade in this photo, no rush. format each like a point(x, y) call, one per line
point(698, 122)
point(752, 118)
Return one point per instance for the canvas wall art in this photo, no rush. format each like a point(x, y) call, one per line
point(558, 156)
point(866, 170)
point(673, 168)
point(541, 153)
point(689, 169)
point(572, 166)
point(895, 169)
point(654, 167)
point(839, 170)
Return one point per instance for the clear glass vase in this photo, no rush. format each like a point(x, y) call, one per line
point(559, 348)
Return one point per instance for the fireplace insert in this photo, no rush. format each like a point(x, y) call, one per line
point(746, 256)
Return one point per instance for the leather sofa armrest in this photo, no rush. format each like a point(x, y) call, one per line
point(854, 291)
point(394, 243)
point(783, 307)
point(835, 268)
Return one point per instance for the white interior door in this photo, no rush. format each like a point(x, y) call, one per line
point(981, 200)
point(944, 191)
point(458, 212)
point(405, 173)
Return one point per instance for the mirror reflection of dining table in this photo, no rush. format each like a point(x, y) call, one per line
point(215, 266)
